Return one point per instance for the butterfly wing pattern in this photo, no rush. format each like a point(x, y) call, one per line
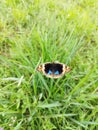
point(53, 70)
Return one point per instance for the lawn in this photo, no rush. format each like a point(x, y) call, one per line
point(40, 31)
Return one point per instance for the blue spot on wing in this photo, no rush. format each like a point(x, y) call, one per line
point(56, 72)
point(49, 72)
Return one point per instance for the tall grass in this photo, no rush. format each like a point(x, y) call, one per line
point(34, 32)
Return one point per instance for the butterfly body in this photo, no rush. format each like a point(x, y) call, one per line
point(53, 70)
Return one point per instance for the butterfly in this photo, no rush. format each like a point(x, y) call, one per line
point(53, 69)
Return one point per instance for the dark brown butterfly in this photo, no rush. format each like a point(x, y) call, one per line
point(53, 70)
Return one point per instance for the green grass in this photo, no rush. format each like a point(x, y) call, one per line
point(33, 32)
